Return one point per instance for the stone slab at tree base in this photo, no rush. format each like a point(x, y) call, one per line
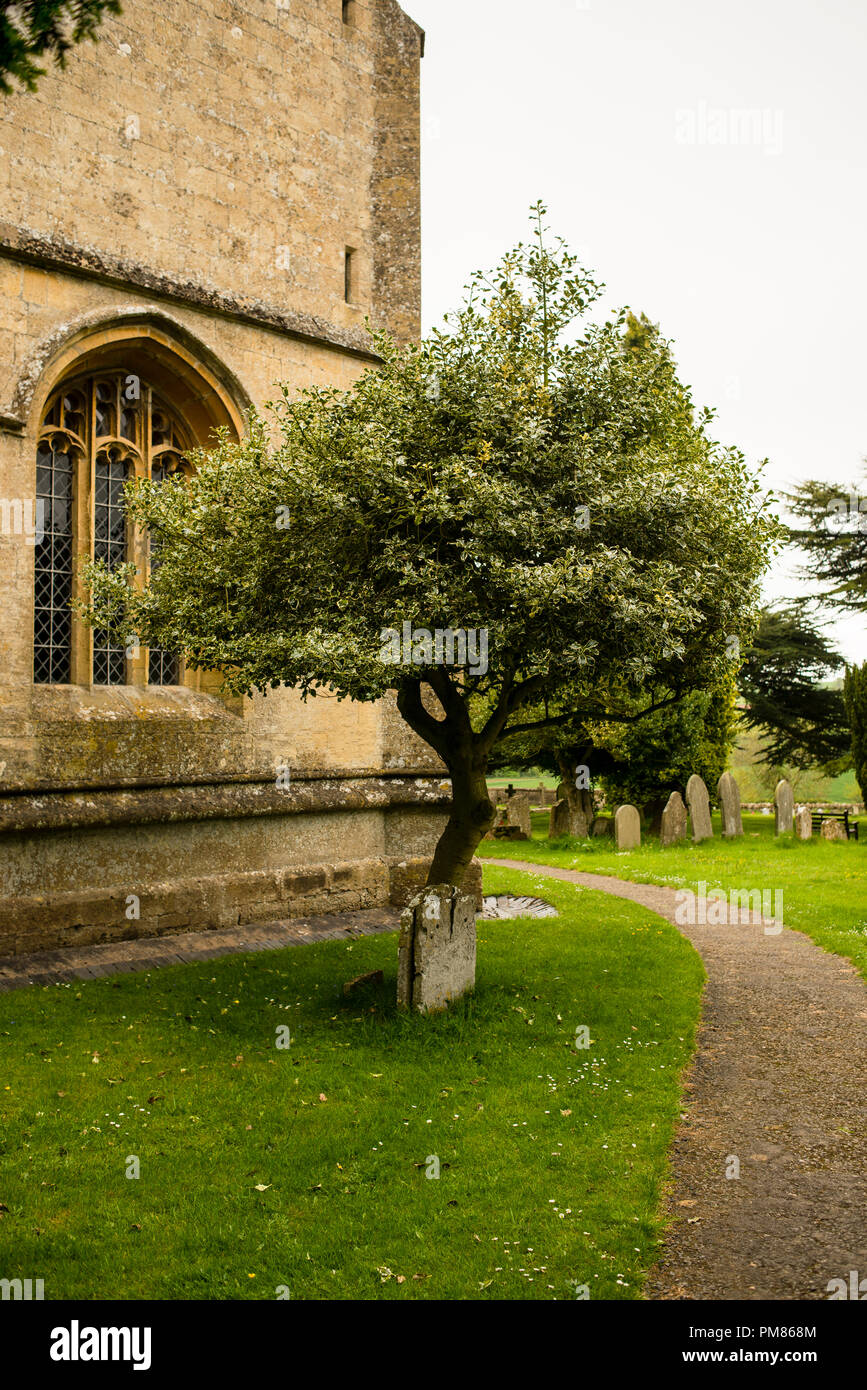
point(374, 977)
point(437, 949)
point(409, 876)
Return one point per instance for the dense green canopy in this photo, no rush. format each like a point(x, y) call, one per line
point(550, 492)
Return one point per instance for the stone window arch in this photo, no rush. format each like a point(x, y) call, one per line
point(100, 428)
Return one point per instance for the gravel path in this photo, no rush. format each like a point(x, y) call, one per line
point(779, 1083)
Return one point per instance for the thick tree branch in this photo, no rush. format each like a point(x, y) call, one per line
point(411, 708)
point(603, 717)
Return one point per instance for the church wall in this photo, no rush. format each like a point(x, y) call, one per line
point(195, 179)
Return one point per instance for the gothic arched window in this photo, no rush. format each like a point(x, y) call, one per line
point(98, 432)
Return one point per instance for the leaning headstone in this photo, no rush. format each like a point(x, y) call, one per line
point(804, 823)
point(518, 811)
point(698, 802)
point(436, 960)
point(833, 830)
point(673, 821)
point(627, 827)
point(784, 801)
point(730, 806)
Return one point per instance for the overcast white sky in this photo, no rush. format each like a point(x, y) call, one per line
point(707, 161)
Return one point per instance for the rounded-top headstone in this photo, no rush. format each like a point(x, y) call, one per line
point(627, 827)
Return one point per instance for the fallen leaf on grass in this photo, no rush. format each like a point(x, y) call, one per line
point(263, 1186)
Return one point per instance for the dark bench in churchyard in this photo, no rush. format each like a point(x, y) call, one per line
point(851, 830)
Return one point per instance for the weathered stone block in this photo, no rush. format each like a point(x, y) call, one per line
point(832, 830)
point(437, 949)
point(804, 823)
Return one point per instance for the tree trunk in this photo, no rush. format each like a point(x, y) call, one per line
point(471, 817)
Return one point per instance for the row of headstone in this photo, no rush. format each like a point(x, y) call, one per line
point(565, 820)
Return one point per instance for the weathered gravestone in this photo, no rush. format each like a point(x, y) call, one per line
point(673, 821)
point(833, 830)
point(518, 811)
point(804, 823)
point(560, 820)
point(730, 806)
point(698, 802)
point(784, 801)
point(627, 827)
point(567, 818)
point(601, 825)
point(436, 960)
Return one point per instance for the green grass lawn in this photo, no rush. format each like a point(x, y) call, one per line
point(824, 885)
point(306, 1167)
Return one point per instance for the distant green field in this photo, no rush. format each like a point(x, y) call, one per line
point(755, 780)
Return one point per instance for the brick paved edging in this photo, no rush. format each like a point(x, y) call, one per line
point(185, 948)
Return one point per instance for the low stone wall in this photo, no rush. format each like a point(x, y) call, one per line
point(544, 796)
point(79, 868)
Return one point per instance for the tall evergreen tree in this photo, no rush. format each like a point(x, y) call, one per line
point(855, 695)
point(834, 536)
point(784, 680)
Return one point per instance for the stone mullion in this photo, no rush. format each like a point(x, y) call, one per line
point(137, 547)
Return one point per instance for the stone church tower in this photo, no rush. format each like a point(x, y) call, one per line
point(208, 200)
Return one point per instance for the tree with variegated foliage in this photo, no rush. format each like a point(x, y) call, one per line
point(525, 475)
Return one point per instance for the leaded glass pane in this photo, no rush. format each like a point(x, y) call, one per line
point(109, 545)
point(53, 564)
